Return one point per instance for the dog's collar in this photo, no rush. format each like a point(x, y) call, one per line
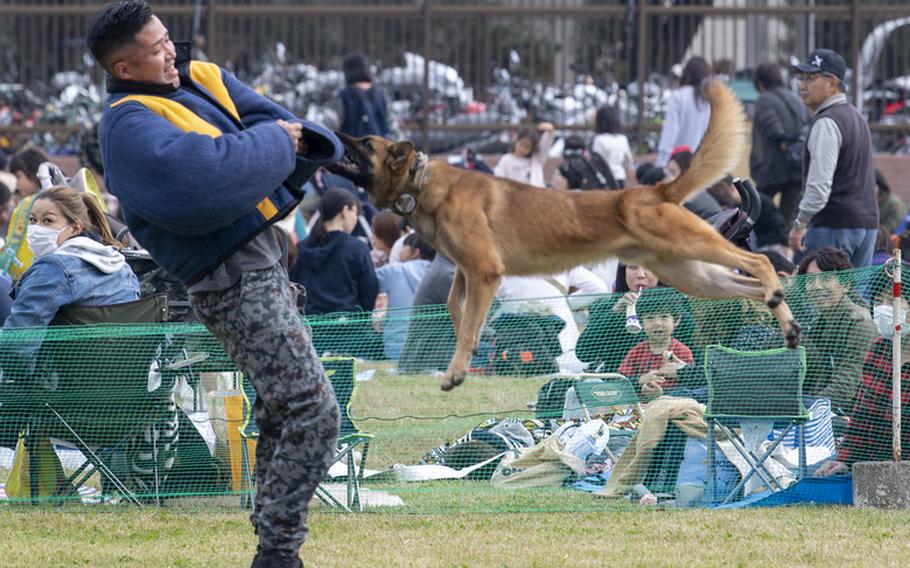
point(407, 201)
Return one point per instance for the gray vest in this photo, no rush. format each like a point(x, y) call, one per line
point(852, 204)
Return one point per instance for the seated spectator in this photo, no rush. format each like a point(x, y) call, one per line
point(77, 261)
point(7, 202)
point(386, 231)
point(869, 432)
point(430, 341)
point(651, 175)
point(641, 170)
point(700, 203)
point(16, 257)
point(883, 247)
point(399, 282)
point(891, 208)
point(338, 274)
point(838, 338)
point(515, 291)
point(405, 229)
point(605, 341)
point(581, 170)
point(783, 266)
point(525, 162)
point(652, 364)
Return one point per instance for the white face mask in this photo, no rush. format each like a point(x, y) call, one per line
point(42, 240)
point(882, 315)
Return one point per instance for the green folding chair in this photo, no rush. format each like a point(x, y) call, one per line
point(341, 372)
point(606, 389)
point(90, 388)
point(754, 385)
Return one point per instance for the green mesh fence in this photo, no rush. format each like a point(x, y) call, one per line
point(564, 407)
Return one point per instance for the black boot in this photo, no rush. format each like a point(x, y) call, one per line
point(275, 559)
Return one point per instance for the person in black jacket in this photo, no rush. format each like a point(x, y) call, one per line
point(364, 108)
point(779, 118)
point(337, 271)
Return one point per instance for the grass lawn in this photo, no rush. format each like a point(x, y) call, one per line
point(801, 536)
point(410, 415)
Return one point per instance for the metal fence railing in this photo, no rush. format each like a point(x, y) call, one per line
point(464, 71)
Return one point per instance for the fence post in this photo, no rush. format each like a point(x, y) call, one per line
point(855, 47)
point(210, 32)
point(640, 44)
point(425, 104)
point(898, 323)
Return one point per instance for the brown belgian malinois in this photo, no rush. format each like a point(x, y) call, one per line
point(491, 226)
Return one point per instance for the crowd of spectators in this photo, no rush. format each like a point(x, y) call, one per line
point(367, 273)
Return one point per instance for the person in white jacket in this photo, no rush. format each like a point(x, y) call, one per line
point(611, 144)
point(686, 119)
point(554, 295)
point(529, 154)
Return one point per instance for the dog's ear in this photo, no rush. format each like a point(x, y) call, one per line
point(400, 152)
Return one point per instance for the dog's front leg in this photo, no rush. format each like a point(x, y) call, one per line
point(456, 297)
point(480, 286)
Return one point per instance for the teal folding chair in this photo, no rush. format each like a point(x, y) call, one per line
point(754, 385)
point(341, 372)
point(599, 390)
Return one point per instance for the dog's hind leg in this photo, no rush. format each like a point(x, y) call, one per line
point(480, 287)
point(703, 243)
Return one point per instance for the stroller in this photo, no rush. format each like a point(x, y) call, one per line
point(736, 224)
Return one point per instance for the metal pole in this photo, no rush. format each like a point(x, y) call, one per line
point(425, 106)
point(896, 355)
point(640, 44)
point(855, 45)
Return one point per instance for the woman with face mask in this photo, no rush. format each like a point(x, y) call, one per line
point(868, 436)
point(77, 260)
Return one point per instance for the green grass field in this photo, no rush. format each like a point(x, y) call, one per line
point(801, 536)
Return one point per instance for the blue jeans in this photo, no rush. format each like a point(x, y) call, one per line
point(858, 243)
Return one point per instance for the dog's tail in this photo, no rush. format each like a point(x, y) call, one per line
point(721, 148)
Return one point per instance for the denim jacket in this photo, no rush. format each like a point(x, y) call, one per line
point(70, 277)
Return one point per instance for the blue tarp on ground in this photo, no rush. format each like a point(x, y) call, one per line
point(837, 490)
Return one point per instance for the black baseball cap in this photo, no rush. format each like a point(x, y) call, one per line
point(824, 61)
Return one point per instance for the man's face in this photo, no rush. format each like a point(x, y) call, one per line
point(815, 88)
point(150, 58)
point(824, 290)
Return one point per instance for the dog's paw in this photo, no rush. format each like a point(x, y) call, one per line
point(450, 381)
point(776, 298)
point(793, 334)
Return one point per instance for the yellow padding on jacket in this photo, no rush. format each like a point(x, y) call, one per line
point(188, 121)
point(173, 112)
point(208, 75)
point(267, 208)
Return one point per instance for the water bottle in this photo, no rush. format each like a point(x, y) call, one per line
point(632, 323)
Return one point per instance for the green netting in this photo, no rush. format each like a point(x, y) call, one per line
point(564, 408)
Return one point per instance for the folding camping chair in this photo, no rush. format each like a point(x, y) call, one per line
point(341, 372)
point(754, 385)
point(615, 389)
point(94, 391)
point(606, 390)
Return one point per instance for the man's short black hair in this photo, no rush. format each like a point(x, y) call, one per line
point(828, 259)
point(115, 26)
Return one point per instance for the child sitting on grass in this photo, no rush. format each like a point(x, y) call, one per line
point(655, 361)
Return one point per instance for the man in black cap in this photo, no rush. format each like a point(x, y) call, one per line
point(838, 207)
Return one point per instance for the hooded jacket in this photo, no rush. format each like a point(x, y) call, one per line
point(339, 275)
point(82, 272)
point(201, 169)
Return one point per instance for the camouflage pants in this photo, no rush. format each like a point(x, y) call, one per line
point(258, 324)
